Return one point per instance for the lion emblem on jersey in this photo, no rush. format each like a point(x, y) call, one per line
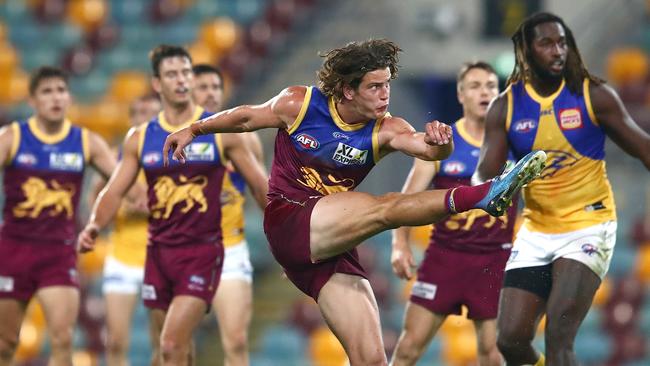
point(38, 197)
point(314, 181)
point(169, 194)
point(455, 222)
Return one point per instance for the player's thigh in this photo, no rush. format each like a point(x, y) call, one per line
point(119, 312)
point(12, 313)
point(60, 306)
point(574, 286)
point(420, 324)
point(519, 313)
point(233, 305)
point(156, 323)
point(350, 309)
point(183, 315)
point(347, 218)
point(486, 333)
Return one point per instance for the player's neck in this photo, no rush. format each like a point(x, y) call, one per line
point(48, 127)
point(545, 86)
point(349, 114)
point(177, 115)
point(474, 126)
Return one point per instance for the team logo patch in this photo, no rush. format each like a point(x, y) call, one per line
point(524, 125)
point(557, 160)
point(589, 249)
point(148, 292)
point(307, 141)
point(188, 192)
point(424, 290)
point(66, 161)
point(26, 159)
point(6, 284)
point(151, 158)
point(348, 155)
point(197, 283)
point(55, 198)
point(570, 119)
point(453, 167)
point(200, 151)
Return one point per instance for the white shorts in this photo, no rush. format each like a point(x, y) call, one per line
point(237, 264)
point(592, 246)
point(121, 278)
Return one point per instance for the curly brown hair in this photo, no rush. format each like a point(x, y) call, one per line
point(347, 65)
point(574, 72)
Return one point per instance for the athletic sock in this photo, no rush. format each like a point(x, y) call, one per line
point(465, 198)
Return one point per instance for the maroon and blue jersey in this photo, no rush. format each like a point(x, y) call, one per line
point(42, 183)
point(474, 230)
point(184, 202)
point(320, 154)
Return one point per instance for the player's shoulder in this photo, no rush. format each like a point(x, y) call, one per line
point(390, 122)
point(601, 93)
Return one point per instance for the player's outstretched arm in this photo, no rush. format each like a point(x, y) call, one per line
point(619, 126)
point(494, 151)
point(238, 151)
point(108, 201)
point(436, 143)
point(279, 112)
point(401, 257)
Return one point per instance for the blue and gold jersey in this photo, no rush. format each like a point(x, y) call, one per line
point(232, 208)
point(573, 191)
point(320, 154)
point(184, 199)
point(473, 230)
point(42, 183)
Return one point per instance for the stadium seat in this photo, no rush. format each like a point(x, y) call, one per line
point(48, 11)
point(103, 37)
point(14, 88)
point(126, 86)
point(283, 344)
point(219, 34)
point(627, 64)
point(78, 60)
point(88, 14)
point(593, 346)
point(325, 349)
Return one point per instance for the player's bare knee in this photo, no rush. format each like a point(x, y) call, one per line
point(407, 351)
point(116, 345)
point(368, 359)
point(509, 342)
point(170, 348)
point(385, 210)
point(236, 343)
point(560, 333)
point(61, 339)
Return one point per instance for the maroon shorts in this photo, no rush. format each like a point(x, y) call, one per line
point(170, 271)
point(448, 279)
point(287, 228)
point(25, 268)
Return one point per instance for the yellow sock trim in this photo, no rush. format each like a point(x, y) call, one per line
point(541, 361)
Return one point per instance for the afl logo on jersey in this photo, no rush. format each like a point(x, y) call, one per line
point(524, 125)
point(454, 167)
point(307, 142)
point(151, 158)
point(570, 119)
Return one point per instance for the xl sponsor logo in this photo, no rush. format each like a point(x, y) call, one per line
point(348, 155)
point(307, 141)
point(524, 125)
point(66, 161)
point(453, 167)
point(200, 151)
point(570, 119)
